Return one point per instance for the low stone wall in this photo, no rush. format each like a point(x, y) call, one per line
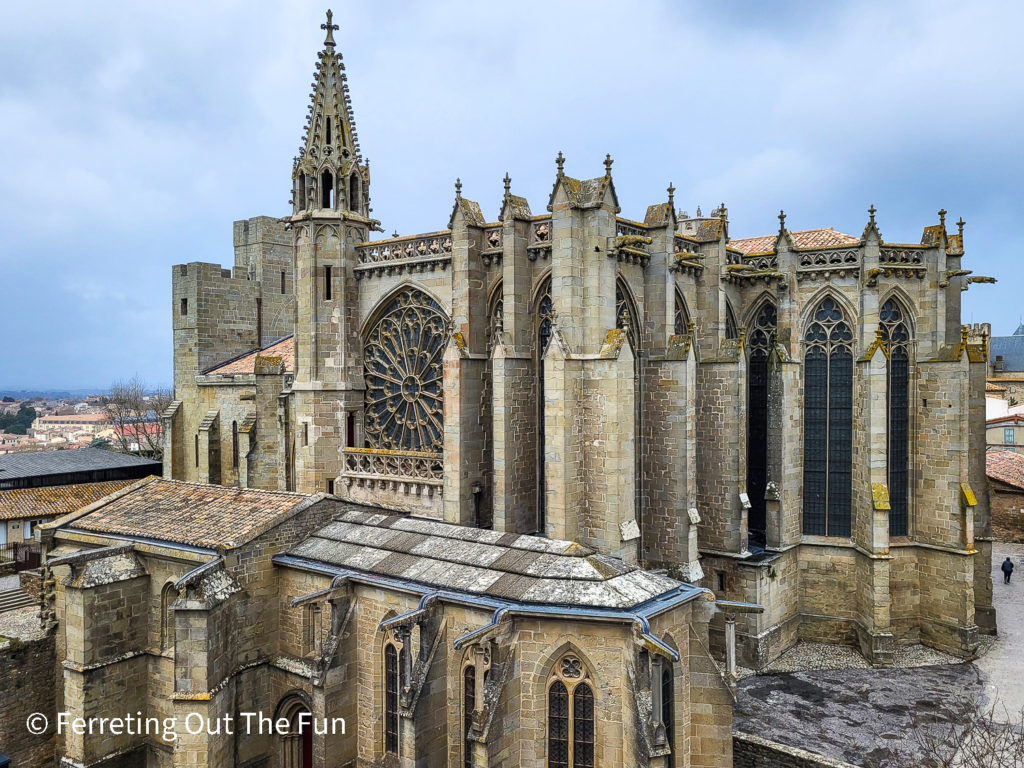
point(754, 752)
point(32, 583)
point(27, 684)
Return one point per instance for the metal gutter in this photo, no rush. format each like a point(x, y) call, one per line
point(197, 573)
point(141, 540)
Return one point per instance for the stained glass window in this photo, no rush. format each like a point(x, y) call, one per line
point(558, 726)
point(468, 705)
point(391, 699)
point(403, 367)
point(759, 342)
point(571, 719)
point(896, 337)
point(828, 422)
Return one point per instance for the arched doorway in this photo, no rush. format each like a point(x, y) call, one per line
point(296, 747)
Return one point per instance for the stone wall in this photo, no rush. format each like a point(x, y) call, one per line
point(1007, 514)
point(751, 751)
point(27, 686)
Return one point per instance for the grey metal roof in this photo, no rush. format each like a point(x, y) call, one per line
point(1011, 348)
point(41, 463)
point(506, 566)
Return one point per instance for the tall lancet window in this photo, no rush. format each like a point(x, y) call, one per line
point(680, 317)
point(896, 337)
point(542, 316)
point(828, 422)
point(571, 723)
point(759, 343)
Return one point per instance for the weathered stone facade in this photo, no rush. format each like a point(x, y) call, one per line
point(638, 386)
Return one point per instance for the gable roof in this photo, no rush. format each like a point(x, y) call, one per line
point(54, 500)
point(507, 566)
point(807, 238)
point(281, 352)
point(17, 466)
point(1006, 467)
point(195, 514)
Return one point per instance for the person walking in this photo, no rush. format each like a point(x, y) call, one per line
point(1007, 569)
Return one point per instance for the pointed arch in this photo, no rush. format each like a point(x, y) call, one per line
point(326, 188)
point(296, 746)
point(681, 318)
point(378, 309)
point(542, 313)
point(355, 192)
point(896, 327)
point(495, 312)
point(571, 713)
point(828, 420)
point(762, 327)
point(626, 307)
point(732, 329)
point(906, 305)
point(168, 596)
point(810, 306)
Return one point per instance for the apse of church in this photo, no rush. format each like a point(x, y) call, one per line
point(794, 420)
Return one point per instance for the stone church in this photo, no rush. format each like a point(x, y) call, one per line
point(792, 422)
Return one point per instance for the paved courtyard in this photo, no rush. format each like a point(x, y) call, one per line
point(848, 711)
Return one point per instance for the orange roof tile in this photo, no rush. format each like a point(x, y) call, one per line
point(1006, 467)
point(199, 515)
point(54, 500)
point(283, 349)
point(807, 238)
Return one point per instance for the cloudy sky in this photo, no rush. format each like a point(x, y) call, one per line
point(132, 135)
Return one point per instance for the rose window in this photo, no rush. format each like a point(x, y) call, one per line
point(403, 366)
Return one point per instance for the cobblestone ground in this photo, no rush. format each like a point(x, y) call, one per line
point(827, 699)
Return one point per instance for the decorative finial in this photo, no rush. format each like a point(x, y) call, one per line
point(560, 162)
point(960, 227)
point(395, 233)
point(508, 184)
point(699, 214)
point(942, 217)
point(608, 164)
point(721, 211)
point(671, 195)
point(782, 220)
point(329, 42)
point(458, 187)
point(871, 212)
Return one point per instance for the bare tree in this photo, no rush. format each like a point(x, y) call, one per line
point(968, 735)
point(135, 417)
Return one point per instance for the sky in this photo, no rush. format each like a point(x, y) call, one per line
point(133, 134)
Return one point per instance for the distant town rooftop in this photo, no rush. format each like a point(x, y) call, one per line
point(39, 468)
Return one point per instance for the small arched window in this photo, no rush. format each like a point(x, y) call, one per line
point(668, 713)
point(296, 745)
point(732, 329)
point(167, 597)
point(759, 344)
point(468, 705)
point(354, 193)
point(234, 444)
point(326, 189)
point(571, 718)
point(896, 338)
point(680, 316)
point(394, 660)
point(828, 422)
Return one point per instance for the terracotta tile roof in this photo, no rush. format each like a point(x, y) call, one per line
point(199, 515)
point(807, 238)
point(1006, 467)
point(505, 566)
point(54, 500)
point(283, 350)
point(76, 418)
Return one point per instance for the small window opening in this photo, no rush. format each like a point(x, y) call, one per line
point(305, 434)
point(721, 582)
point(353, 192)
point(197, 450)
point(330, 487)
point(234, 444)
point(282, 281)
point(327, 282)
point(327, 190)
point(328, 130)
point(350, 428)
point(184, 306)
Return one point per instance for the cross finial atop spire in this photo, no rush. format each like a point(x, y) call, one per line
point(508, 183)
point(671, 194)
point(871, 212)
point(560, 162)
point(458, 187)
point(782, 220)
point(330, 27)
point(960, 227)
point(942, 217)
point(608, 164)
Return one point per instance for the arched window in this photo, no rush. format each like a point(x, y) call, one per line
point(896, 337)
point(234, 444)
point(828, 422)
point(571, 724)
point(468, 705)
point(759, 344)
point(681, 318)
point(354, 190)
point(297, 744)
point(394, 660)
point(626, 314)
point(167, 597)
point(668, 713)
point(326, 190)
point(402, 363)
point(495, 316)
point(732, 329)
point(542, 315)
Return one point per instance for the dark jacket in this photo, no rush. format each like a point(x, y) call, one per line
point(1007, 566)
